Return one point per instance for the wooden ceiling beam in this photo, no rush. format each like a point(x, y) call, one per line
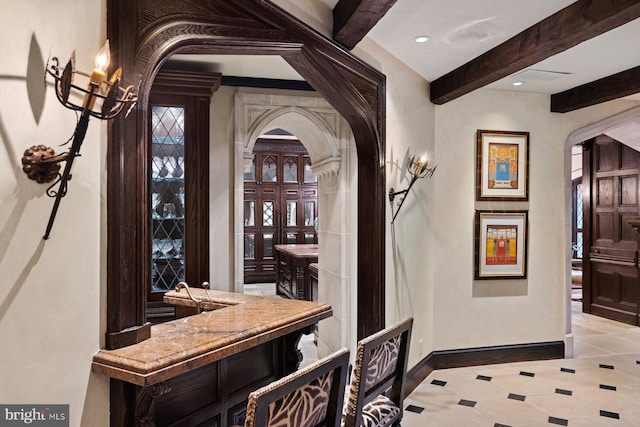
point(353, 19)
point(624, 83)
point(565, 29)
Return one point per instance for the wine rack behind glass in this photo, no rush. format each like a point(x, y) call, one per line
point(167, 198)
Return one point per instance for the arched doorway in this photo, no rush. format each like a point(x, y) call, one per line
point(329, 142)
point(614, 123)
point(144, 33)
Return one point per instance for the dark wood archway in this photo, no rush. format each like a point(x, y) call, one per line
point(143, 34)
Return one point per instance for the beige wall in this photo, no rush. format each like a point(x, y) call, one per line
point(470, 313)
point(51, 293)
point(409, 245)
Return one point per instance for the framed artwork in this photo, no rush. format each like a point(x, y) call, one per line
point(500, 244)
point(502, 169)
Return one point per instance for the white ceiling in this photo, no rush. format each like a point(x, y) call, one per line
point(460, 30)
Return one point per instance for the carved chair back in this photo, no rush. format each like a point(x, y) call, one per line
point(377, 384)
point(310, 397)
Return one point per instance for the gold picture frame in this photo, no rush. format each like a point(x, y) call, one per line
point(502, 167)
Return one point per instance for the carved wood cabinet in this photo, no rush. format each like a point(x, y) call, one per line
point(213, 395)
point(292, 271)
point(199, 370)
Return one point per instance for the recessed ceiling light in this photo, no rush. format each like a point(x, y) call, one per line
point(518, 83)
point(422, 39)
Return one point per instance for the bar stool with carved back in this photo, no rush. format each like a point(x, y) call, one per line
point(310, 397)
point(377, 385)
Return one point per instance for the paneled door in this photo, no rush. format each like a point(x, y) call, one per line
point(280, 205)
point(611, 285)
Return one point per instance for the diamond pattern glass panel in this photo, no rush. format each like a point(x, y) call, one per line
point(579, 220)
point(267, 213)
point(579, 243)
point(167, 197)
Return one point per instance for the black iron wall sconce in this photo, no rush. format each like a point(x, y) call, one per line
point(40, 162)
point(418, 167)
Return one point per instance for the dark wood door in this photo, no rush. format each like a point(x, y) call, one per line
point(299, 209)
point(260, 232)
point(280, 205)
point(611, 285)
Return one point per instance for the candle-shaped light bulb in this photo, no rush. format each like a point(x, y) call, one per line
point(103, 58)
point(416, 164)
point(99, 74)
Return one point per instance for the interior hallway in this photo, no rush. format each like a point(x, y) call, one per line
point(599, 387)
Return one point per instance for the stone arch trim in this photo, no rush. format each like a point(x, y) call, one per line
point(317, 126)
point(143, 33)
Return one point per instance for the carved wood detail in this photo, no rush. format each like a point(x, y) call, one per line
point(145, 403)
point(143, 34)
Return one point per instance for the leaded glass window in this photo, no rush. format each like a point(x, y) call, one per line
point(167, 197)
point(267, 213)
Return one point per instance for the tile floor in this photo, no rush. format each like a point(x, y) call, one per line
point(600, 386)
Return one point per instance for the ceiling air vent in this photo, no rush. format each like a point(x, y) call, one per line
point(540, 75)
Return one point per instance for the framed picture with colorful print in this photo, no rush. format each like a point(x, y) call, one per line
point(502, 165)
point(501, 244)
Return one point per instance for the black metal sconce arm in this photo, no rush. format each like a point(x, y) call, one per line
point(425, 172)
point(40, 162)
point(393, 194)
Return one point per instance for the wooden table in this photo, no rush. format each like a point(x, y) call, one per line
point(200, 369)
point(292, 270)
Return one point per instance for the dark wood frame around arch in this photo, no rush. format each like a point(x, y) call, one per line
point(143, 34)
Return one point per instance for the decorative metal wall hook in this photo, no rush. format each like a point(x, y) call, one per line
point(40, 162)
point(418, 167)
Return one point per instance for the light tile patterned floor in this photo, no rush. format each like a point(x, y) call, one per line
point(599, 387)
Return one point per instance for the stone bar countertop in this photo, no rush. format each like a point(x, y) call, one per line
point(185, 344)
point(303, 250)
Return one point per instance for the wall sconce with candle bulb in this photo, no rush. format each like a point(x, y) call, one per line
point(40, 162)
point(418, 167)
